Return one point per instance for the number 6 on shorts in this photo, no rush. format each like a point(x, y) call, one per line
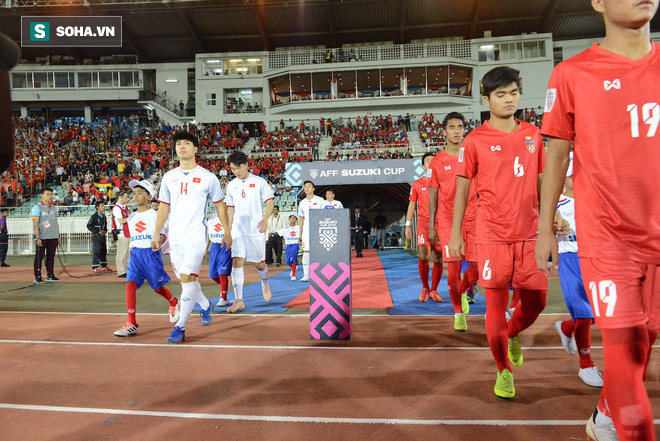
point(486, 273)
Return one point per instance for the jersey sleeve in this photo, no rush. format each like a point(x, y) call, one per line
point(341, 206)
point(229, 199)
point(35, 211)
point(266, 192)
point(282, 232)
point(301, 210)
point(559, 112)
point(164, 192)
point(215, 191)
point(432, 175)
point(413, 194)
point(467, 160)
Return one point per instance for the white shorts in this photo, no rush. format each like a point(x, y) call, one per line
point(187, 258)
point(250, 248)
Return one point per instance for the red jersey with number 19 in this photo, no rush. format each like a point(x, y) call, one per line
point(504, 167)
point(420, 193)
point(442, 171)
point(608, 105)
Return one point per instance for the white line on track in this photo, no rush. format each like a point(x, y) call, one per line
point(277, 348)
point(298, 419)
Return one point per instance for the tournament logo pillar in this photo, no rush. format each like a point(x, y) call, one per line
point(330, 303)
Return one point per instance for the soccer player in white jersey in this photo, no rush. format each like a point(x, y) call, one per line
point(184, 195)
point(144, 263)
point(311, 202)
point(246, 195)
point(331, 202)
point(291, 235)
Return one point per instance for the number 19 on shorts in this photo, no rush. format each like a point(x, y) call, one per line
point(605, 292)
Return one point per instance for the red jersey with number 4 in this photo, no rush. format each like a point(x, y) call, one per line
point(420, 193)
point(442, 172)
point(504, 169)
point(608, 105)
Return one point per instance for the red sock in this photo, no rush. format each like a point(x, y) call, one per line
point(568, 327)
point(131, 288)
point(423, 266)
point(470, 278)
point(626, 351)
point(293, 269)
point(652, 337)
point(532, 303)
point(436, 275)
point(454, 283)
point(168, 295)
point(216, 279)
point(496, 327)
point(515, 299)
point(224, 286)
point(583, 341)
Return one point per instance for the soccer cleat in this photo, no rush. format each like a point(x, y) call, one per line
point(52, 278)
point(504, 385)
point(515, 352)
point(221, 302)
point(567, 342)
point(265, 291)
point(38, 280)
point(174, 313)
point(605, 432)
point(470, 298)
point(293, 278)
point(591, 376)
point(433, 294)
point(424, 296)
point(176, 336)
point(305, 279)
point(97, 270)
point(465, 305)
point(127, 330)
point(460, 324)
point(107, 269)
point(206, 315)
point(237, 306)
point(509, 314)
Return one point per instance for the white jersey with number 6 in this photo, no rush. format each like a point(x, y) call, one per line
point(316, 203)
point(247, 196)
point(188, 193)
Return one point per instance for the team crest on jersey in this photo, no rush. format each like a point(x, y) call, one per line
point(550, 97)
point(429, 172)
point(529, 142)
point(253, 185)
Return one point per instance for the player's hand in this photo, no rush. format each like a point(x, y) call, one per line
point(456, 246)
point(39, 243)
point(564, 228)
point(546, 246)
point(408, 232)
point(263, 226)
point(227, 240)
point(155, 243)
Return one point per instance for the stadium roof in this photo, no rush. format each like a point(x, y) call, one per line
point(175, 30)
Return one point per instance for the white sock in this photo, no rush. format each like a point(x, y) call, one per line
point(188, 299)
point(306, 264)
point(201, 298)
point(263, 274)
point(237, 278)
point(602, 420)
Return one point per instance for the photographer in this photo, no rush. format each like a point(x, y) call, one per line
point(98, 225)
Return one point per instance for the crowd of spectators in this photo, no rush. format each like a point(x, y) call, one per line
point(300, 138)
point(367, 155)
point(369, 132)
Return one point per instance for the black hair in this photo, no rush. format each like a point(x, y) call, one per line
point(124, 192)
point(330, 190)
point(186, 136)
point(99, 202)
point(452, 115)
point(426, 155)
point(499, 77)
point(45, 189)
point(305, 183)
point(237, 158)
point(276, 206)
point(153, 200)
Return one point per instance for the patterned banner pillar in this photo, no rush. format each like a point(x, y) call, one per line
point(330, 305)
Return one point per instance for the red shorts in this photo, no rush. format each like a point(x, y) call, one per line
point(423, 239)
point(444, 234)
point(622, 294)
point(509, 265)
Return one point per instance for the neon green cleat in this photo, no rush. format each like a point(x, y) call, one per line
point(460, 323)
point(515, 352)
point(504, 385)
point(465, 304)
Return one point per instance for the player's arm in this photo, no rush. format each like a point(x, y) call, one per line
point(302, 223)
point(224, 217)
point(35, 227)
point(456, 243)
point(409, 216)
point(433, 206)
point(556, 164)
point(161, 218)
point(263, 225)
point(230, 216)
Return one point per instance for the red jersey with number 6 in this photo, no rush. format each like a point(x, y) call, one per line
point(608, 105)
point(504, 167)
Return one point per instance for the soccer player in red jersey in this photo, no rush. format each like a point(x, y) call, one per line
point(419, 195)
point(504, 157)
point(442, 172)
point(614, 84)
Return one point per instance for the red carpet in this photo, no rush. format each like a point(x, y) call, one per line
point(370, 289)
